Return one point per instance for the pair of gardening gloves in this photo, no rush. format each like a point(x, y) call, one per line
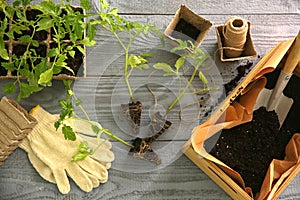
point(240, 111)
point(51, 154)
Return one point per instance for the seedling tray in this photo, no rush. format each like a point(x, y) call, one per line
point(46, 42)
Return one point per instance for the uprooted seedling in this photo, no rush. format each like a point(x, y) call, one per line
point(68, 112)
point(199, 58)
point(115, 24)
point(142, 149)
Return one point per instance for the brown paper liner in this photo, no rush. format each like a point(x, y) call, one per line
point(279, 170)
point(241, 111)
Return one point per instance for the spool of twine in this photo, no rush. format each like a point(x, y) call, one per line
point(235, 32)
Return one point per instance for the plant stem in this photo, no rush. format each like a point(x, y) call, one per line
point(183, 92)
point(112, 136)
point(106, 131)
point(126, 71)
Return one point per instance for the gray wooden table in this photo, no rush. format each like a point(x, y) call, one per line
point(272, 21)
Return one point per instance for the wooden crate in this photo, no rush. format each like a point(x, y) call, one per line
point(212, 169)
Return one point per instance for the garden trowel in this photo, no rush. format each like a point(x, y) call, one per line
point(275, 99)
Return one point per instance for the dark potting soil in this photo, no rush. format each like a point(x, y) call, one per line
point(141, 146)
point(249, 148)
point(32, 15)
point(243, 70)
point(40, 51)
point(133, 112)
point(73, 63)
point(66, 36)
point(185, 28)
point(3, 71)
point(2, 17)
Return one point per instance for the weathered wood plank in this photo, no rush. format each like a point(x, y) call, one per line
point(214, 7)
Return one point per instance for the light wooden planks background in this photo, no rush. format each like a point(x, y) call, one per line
point(272, 21)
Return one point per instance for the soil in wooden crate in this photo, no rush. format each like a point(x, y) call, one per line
point(250, 148)
point(186, 28)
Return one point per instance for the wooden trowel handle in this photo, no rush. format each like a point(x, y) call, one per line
point(293, 57)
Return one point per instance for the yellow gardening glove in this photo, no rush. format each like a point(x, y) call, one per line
point(44, 171)
point(86, 133)
point(55, 152)
point(40, 167)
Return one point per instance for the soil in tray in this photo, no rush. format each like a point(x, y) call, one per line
point(3, 71)
point(67, 35)
point(31, 15)
point(184, 27)
point(250, 148)
point(19, 50)
point(2, 17)
point(73, 63)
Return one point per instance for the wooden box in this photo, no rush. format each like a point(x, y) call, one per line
point(213, 170)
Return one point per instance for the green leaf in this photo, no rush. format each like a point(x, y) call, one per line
point(143, 66)
point(95, 129)
point(8, 66)
point(104, 5)
point(87, 42)
point(202, 78)
point(71, 53)
point(25, 38)
point(165, 67)
point(135, 61)
point(85, 4)
point(57, 124)
point(51, 53)
point(26, 90)
point(9, 88)
point(68, 132)
point(83, 151)
point(80, 156)
point(45, 24)
point(78, 102)
point(81, 49)
point(179, 63)
point(41, 67)
point(146, 55)
point(35, 43)
point(113, 11)
point(3, 51)
point(182, 45)
point(45, 77)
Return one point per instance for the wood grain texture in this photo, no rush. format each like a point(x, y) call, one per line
point(271, 22)
point(213, 7)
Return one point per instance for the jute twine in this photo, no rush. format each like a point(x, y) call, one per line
point(235, 32)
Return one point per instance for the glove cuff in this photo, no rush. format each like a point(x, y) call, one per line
point(42, 115)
